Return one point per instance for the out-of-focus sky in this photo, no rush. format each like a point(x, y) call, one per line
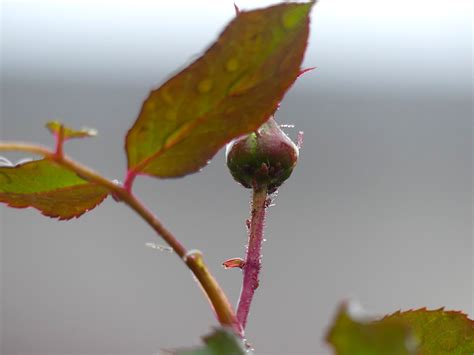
point(110, 40)
point(379, 208)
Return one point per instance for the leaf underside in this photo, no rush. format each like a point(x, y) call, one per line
point(231, 90)
point(438, 331)
point(55, 191)
point(221, 341)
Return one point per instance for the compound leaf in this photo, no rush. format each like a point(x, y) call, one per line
point(230, 90)
point(54, 190)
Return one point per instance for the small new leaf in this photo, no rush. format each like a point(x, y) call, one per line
point(350, 336)
point(230, 91)
point(56, 191)
point(69, 133)
point(221, 341)
point(438, 331)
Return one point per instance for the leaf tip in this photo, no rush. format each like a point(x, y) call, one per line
point(237, 10)
point(306, 70)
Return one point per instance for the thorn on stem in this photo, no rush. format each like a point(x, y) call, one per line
point(268, 202)
point(233, 263)
point(247, 223)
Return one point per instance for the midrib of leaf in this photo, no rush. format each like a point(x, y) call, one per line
point(52, 191)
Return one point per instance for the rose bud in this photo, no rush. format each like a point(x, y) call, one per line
point(262, 159)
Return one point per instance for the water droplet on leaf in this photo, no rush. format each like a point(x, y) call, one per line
point(204, 86)
point(232, 65)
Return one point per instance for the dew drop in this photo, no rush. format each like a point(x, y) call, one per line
point(232, 65)
point(249, 349)
point(247, 223)
point(204, 86)
point(159, 247)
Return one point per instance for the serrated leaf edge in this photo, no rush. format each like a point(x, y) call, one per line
point(426, 310)
point(55, 215)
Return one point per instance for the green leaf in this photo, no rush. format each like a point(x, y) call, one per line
point(221, 341)
point(351, 336)
point(438, 331)
point(231, 90)
point(55, 191)
point(69, 133)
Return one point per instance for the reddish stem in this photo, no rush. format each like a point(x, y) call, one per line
point(129, 179)
point(253, 259)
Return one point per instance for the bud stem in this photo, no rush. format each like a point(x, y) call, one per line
point(253, 262)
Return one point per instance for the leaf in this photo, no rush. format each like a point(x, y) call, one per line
point(351, 336)
point(438, 331)
point(69, 133)
point(221, 341)
point(55, 191)
point(231, 90)
point(422, 332)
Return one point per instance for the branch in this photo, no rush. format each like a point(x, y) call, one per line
point(192, 259)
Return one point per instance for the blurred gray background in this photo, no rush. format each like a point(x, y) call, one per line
point(378, 210)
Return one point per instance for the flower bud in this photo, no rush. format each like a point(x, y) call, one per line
point(264, 158)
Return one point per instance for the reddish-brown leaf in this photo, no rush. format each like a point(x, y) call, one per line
point(229, 91)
